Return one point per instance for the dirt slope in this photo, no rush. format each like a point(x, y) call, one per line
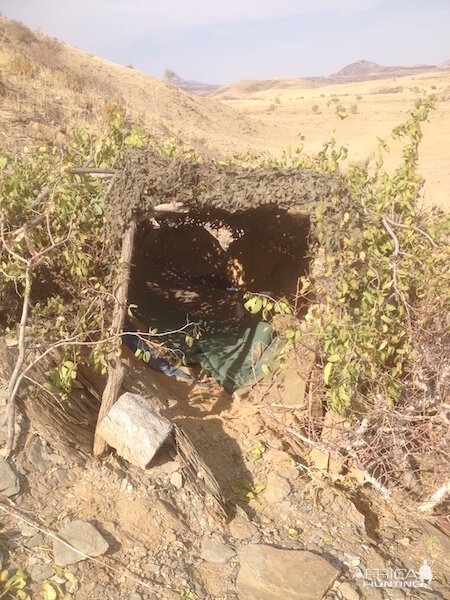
point(43, 80)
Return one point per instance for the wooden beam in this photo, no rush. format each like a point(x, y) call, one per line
point(116, 369)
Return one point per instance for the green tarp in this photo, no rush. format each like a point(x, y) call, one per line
point(233, 353)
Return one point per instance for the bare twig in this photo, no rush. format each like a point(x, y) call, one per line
point(424, 233)
point(393, 236)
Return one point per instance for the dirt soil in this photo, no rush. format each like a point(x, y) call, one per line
point(156, 521)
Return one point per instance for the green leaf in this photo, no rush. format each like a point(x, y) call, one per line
point(130, 309)
point(17, 582)
point(50, 590)
point(327, 372)
point(258, 451)
point(3, 161)
point(266, 370)
point(334, 358)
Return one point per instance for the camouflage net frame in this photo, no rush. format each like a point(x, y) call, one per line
point(146, 180)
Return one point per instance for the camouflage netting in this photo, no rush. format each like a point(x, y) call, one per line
point(146, 180)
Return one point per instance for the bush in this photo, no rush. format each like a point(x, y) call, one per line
point(47, 53)
point(22, 66)
point(20, 33)
point(73, 80)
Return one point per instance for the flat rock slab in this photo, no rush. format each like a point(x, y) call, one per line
point(268, 573)
point(216, 552)
point(134, 429)
point(9, 482)
point(82, 536)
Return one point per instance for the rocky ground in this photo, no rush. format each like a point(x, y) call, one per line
point(150, 534)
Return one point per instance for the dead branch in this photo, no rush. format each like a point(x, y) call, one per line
point(15, 377)
point(92, 171)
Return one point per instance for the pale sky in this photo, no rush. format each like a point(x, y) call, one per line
point(219, 41)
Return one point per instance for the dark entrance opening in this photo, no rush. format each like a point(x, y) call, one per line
point(195, 267)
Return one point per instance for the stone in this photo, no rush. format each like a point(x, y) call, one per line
point(9, 482)
point(134, 429)
point(334, 427)
point(37, 455)
point(216, 552)
point(348, 593)
point(170, 467)
point(268, 573)
point(176, 479)
point(324, 461)
point(63, 477)
point(240, 526)
point(41, 572)
point(277, 488)
point(84, 537)
point(395, 594)
point(282, 463)
point(36, 540)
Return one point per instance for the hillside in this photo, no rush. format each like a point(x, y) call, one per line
point(364, 70)
point(189, 85)
point(47, 87)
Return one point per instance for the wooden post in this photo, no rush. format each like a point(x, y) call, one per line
point(116, 369)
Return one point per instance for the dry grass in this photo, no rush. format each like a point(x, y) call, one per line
point(381, 105)
point(49, 82)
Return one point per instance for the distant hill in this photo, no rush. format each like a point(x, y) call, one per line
point(364, 70)
point(253, 86)
point(189, 85)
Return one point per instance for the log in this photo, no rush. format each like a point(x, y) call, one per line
point(134, 429)
point(116, 369)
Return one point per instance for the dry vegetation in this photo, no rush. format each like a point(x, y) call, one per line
point(48, 82)
point(374, 108)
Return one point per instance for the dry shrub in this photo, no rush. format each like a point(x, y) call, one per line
point(20, 65)
point(47, 53)
point(390, 90)
point(73, 80)
point(20, 33)
point(111, 111)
